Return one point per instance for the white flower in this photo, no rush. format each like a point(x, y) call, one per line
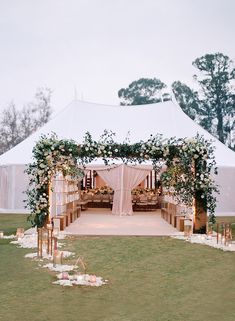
point(116, 150)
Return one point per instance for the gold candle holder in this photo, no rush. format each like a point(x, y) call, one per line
point(55, 237)
point(50, 238)
point(39, 230)
point(57, 257)
point(20, 232)
point(188, 227)
point(42, 241)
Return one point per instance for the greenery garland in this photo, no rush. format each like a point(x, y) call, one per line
point(50, 155)
point(190, 163)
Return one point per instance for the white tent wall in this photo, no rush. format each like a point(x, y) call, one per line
point(13, 184)
point(226, 184)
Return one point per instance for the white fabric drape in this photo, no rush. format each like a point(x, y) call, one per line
point(122, 179)
point(13, 184)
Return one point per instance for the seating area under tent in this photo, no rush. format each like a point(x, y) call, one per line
point(95, 193)
point(70, 199)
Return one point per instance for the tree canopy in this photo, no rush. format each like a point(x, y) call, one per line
point(142, 91)
point(213, 106)
point(187, 98)
point(216, 73)
point(16, 125)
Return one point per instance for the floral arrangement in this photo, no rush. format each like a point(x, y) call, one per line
point(190, 163)
point(188, 175)
point(50, 156)
point(102, 190)
point(137, 191)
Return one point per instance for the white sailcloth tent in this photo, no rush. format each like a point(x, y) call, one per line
point(136, 122)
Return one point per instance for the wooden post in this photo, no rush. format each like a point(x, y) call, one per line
point(155, 181)
point(147, 181)
point(39, 242)
point(200, 218)
point(50, 201)
point(200, 213)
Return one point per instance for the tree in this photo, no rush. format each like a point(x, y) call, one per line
point(36, 113)
point(17, 125)
point(216, 73)
point(142, 91)
point(187, 98)
point(9, 128)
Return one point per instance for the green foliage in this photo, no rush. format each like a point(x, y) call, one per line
point(50, 156)
point(187, 98)
point(216, 74)
point(189, 166)
point(190, 163)
point(16, 125)
point(142, 91)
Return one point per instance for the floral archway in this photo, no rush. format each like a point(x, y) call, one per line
point(190, 163)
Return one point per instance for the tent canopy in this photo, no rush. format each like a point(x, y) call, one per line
point(136, 122)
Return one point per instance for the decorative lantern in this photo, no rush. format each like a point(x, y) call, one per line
point(57, 257)
point(224, 233)
point(209, 229)
point(187, 227)
point(82, 264)
point(42, 241)
point(49, 236)
point(20, 232)
point(55, 237)
point(228, 233)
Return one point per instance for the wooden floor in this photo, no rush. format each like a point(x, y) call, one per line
point(102, 222)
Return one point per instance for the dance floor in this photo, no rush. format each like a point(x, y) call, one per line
point(102, 222)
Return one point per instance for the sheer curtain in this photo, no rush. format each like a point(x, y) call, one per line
point(123, 179)
point(4, 186)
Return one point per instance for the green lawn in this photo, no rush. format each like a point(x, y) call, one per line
point(150, 279)
point(10, 222)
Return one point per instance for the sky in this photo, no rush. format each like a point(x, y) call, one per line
point(89, 49)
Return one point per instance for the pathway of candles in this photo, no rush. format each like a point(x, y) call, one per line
point(63, 278)
point(210, 240)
